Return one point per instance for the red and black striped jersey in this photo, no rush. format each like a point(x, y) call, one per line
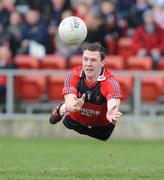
point(93, 112)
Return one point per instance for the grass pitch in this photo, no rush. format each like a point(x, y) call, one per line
point(73, 159)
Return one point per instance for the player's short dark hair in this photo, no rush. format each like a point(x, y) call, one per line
point(95, 47)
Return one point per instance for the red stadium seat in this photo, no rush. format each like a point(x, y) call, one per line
point(161, 64)
point(139, 63)
point(163, 87)
point(161, 68)
point(111, 45)
point(114, 62)
point(54, 87)
point(75, 60)
point(126, 85)
point(24, 62)
point(151, 89)
point(53, 62)
point(31, 88)
point(125, 47)
point(27, 62)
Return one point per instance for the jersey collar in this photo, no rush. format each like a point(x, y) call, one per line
point(101, 77)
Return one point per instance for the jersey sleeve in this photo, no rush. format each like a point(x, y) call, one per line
point(111, 89)
point(70, 84)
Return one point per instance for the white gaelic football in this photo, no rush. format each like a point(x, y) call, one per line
point(72, 30)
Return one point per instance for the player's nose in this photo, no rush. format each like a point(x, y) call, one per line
point(88, 62)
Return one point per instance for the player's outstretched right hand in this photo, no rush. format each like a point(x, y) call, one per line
point(113, 115)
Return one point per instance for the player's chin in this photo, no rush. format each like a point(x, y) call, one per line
point(88, 73)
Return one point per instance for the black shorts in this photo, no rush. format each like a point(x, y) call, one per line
point(101, 133)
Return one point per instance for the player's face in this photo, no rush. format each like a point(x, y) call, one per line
point(92, 64)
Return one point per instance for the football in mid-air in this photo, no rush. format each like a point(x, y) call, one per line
point(72, 30)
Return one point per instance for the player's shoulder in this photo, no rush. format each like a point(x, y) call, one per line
point(75, 72)
point(77, 69)
point(107, 74)
point(109, 77)
point(109, 83)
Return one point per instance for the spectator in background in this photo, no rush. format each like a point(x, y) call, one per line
point(23, 6)
point(81, 9)
point(158, 11)
point(123, 15)
point(147, 38)
point(6, 62)
point(49, 9)
point(4, 14)
point(136, 12)
point(123, 7)
point(107, 15)
point(156, 2)
point(159, 20)
point(107, 19)
point(45, 9)
point(57, 7)
point(34, 29)
point(4, 21)
point(14, 31)
point(96, 30)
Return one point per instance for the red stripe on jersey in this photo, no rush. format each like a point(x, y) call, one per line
point(116, 86)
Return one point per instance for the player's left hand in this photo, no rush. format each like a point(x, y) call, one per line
point(113, 115)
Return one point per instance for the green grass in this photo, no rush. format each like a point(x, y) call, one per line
point(73, 159)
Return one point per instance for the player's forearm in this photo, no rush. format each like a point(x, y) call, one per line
point(112, 104)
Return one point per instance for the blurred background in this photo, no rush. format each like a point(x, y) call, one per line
point(34, 62)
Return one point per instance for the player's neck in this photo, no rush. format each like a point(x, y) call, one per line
point(90, 84)
point(93, 79)
point(90, 80)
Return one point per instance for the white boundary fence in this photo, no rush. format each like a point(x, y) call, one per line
point(134, 110)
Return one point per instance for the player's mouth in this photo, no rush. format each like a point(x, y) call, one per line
point(88, 70)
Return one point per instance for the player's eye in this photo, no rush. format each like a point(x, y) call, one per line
point(93, 60)
point(85, 59)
